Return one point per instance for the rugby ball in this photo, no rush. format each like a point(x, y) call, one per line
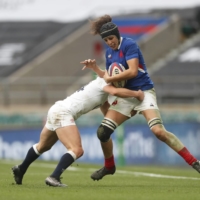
point(114, 69)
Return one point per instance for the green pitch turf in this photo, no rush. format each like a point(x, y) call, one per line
point(128, 183)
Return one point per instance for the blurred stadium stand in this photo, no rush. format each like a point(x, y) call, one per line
point(21, 42)
point(177, 78)
point(40, 61)
point(136, 27)
point(45, 69)
point(38, 64)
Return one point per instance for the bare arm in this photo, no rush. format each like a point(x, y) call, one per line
point(127, 74)
point(91, 64)
point(123, 92)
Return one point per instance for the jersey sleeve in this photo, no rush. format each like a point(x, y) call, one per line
point(101, 83)
point(131, 51)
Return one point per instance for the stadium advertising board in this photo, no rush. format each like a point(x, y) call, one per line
point(138, 145)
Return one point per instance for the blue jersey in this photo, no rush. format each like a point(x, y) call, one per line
point(127, 50)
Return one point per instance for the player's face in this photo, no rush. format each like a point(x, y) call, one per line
point(112, 42)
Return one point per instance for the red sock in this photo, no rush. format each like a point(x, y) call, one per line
point(109, 162)
point(187, 156)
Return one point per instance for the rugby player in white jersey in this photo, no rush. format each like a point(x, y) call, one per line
point(60, 125)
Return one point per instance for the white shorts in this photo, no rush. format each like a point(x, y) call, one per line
point(126, 105)
point(58, 117)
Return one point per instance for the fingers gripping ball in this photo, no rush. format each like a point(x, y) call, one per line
point(114, 69)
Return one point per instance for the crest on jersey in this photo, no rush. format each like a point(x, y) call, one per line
point(121, 55)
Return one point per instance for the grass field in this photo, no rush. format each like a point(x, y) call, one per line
point(128, 183)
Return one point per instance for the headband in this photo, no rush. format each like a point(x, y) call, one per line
point(109, 29)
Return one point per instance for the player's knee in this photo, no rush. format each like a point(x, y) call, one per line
point(103, 133)
point(160, 134)
point(76, 152)
point(105, 130)
point(158, 129)
point(42, 147)
point(80, 152)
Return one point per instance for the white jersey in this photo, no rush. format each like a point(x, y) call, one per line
point(89, 97)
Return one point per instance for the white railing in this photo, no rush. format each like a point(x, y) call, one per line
point(177, 89)
point(43, 90)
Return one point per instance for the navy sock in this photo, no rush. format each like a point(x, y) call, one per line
point(65, 161)
point(30, 157)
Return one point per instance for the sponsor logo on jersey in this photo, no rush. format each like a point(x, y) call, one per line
point(109, 56)
point(151, 105)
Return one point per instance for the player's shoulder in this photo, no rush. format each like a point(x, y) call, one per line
point(128, 41)
point(101, 83)
point(97, 81)
point(100, 80)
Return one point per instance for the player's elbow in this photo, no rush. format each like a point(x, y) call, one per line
point(133, 74)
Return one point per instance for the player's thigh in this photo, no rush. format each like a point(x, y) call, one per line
point(149, 103)
point(47, 139)
point(123, 108)
point(69, 136)
point(104, 108)
point(149, 114)
point(116, 116)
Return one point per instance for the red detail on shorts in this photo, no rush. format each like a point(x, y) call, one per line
point(114, 103)
point(187, 156)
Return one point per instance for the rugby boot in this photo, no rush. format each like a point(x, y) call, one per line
point(18, 175)
point(196, 165)
point(54, 182)
point(99, 174)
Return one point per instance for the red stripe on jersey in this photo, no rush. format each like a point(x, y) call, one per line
point(140, 66)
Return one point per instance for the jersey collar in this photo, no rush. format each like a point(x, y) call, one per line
point(121, 38)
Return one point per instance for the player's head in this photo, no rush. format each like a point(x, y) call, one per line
point(109, 29)
point(104, 27)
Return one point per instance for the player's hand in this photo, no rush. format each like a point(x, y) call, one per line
point(140, 95)
point(106, 77)
point(89, 63)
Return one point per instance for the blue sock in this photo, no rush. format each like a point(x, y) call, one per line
point(65, 161)
point(31, 156)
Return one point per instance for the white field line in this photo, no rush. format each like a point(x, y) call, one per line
point(71, 168)
point(156, 175)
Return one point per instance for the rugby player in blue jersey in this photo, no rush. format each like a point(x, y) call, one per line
point(127, 52)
